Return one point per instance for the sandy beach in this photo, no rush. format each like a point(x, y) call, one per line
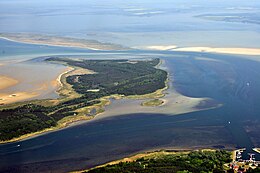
point(230, 50)
point(238, 51)
point(13, 96)
point(161, 47)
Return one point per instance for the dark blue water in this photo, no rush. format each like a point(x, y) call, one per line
point(225, 80)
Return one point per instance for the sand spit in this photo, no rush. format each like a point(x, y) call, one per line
point(238, 51)
point(231, 50)
point(174, 104)
point(60, 41)
point(161, 47)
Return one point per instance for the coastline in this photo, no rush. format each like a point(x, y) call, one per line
point(230, 50)
point(256, 150)
point(18, 95)
point(65, 90)
point(237, 51)
point(151, 154)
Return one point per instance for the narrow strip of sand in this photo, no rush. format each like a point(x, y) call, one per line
point(161, 47)
point(229, 50)
point(238, 51)
point(43, 43)
point(38, 39)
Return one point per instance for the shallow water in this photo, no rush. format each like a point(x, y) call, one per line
point(33, 76)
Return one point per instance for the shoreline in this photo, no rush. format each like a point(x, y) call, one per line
point(18, 96)
point(152, 153)
point(256, 150)
point(207, 49)
point(236, 51)
point(43, 44)
point(79, 119)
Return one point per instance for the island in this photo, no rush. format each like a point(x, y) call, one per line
point(87, 87)
point(153, 102)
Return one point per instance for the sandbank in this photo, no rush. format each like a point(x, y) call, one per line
point(6, 82)
point(238, 51)
point(229, 50)
point(161, 47)
point(7, 98)
point(60, 41)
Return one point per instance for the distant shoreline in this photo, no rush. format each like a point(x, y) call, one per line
point(38, 39)
point(41, 44)
point(230, 50)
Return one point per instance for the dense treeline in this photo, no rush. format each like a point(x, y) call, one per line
point(117, 77)
point(196, 162)
point(111, 77)
point(23, 120)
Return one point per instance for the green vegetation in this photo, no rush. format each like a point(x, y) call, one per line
point(195, 161)
point(116, 77)
point(154, 102)
point(111, 77)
